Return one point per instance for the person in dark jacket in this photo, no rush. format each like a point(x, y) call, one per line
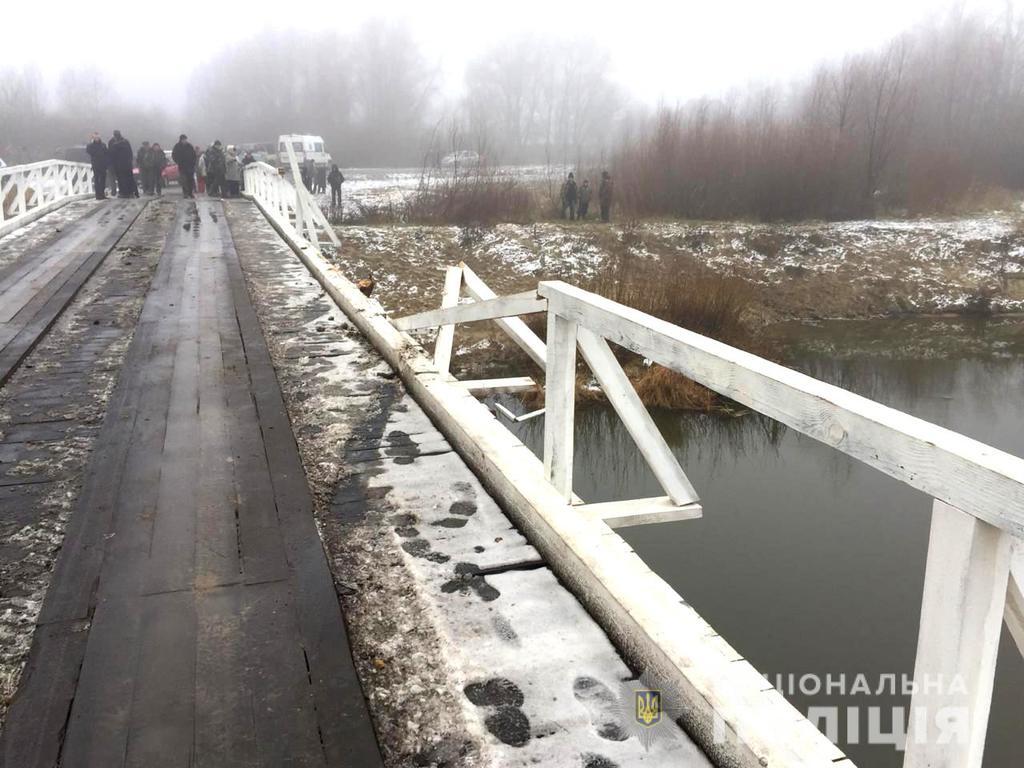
point(184, 154)
point(335, 178)
point(144, 162)
point(569, 197)
point(100, 160)
point(157, 162)
point(121, 158)
point(585, 192)
point(604, 196)
point(216, 167)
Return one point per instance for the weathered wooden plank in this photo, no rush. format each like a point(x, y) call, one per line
point(638, 422)
point(623, 514)
point(961, 621)
point(965, 473)
point(489, 309)
point(510, 385)
point(1015, 597)
point(446, 333)
point(519, 331)
point(559, 403)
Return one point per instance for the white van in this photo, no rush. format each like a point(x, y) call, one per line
point(304, 146)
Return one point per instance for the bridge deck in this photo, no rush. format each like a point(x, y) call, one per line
point(191, 618)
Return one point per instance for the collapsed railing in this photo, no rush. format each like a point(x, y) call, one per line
point(30, 191)
point(975, 571)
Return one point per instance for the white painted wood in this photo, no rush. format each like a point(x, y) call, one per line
point(511, 385)
point(623, 514)
point(504, 306)
point(637, 420)
point(559, 402)
point(446, 333)
point(644, 616)
point(519, 331)
point(961, 621)
point(521, 417)
point(35, 189)
point(970, 475)
point(1015, 596)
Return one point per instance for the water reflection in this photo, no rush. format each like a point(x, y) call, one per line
point(806, 560)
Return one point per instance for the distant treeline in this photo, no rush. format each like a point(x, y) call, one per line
point(932, 122)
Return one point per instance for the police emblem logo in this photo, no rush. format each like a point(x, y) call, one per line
point(648, 707)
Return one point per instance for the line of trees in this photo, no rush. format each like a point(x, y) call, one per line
point(931, 122)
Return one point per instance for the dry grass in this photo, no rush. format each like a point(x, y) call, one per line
point(705, 303)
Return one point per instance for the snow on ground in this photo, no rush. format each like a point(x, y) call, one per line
point(848, 269)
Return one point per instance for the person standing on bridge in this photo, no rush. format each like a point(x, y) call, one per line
point(100, 160)
point(121, 158)
point(215, 169)
point(184, 154)
point(335, 178)
point(157, 161)
point(233, 173)
point(144, 162)
point(201, 171)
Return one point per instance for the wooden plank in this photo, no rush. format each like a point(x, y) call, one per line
point(489, 309)
point(519, 331)
point(961, 621)
point(559, 403)
point(1015, 597)
point(637, 420)
point(446, 333)
point(510, 385)
point(965, 473)
point(345, 727)
point(623, 514)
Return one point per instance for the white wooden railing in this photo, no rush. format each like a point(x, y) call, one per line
point(289, 205)
point(974, 576)
point(975, 570)
point(28, 191)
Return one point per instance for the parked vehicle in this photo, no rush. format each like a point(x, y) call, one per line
point(305, 145)
point(463, 157)
point(170, 172)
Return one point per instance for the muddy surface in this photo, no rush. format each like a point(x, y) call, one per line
point(50, 413)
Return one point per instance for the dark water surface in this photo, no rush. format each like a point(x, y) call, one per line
point(807, 561)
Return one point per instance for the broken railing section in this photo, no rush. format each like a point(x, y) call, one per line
point(558, 360)
point(974, 578)
point(36, 188)
point(289, 204)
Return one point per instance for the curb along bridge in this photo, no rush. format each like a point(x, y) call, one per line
point(200, 609)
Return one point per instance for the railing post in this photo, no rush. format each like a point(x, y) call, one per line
point(559, 402)
point(961, 621)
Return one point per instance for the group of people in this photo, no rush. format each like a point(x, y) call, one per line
point(576, 198)
point(217, 171)
point(316, 179)
point(112, 166)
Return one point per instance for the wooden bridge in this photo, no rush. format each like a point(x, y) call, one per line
point(162, 365)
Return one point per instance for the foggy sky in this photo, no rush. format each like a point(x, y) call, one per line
point(670, 50)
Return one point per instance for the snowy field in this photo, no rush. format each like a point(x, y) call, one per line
point(851, 269)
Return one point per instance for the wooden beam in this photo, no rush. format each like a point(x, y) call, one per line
point(622, 514)
point(504, 306)
point(479, 387)
point(519, 331)
point(559, 404)
point(645, 433)
point(1015, 597)
point(965, 473)
point(446, 333)
point(961, 621)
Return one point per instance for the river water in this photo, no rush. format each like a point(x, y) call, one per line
point(807, 561)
